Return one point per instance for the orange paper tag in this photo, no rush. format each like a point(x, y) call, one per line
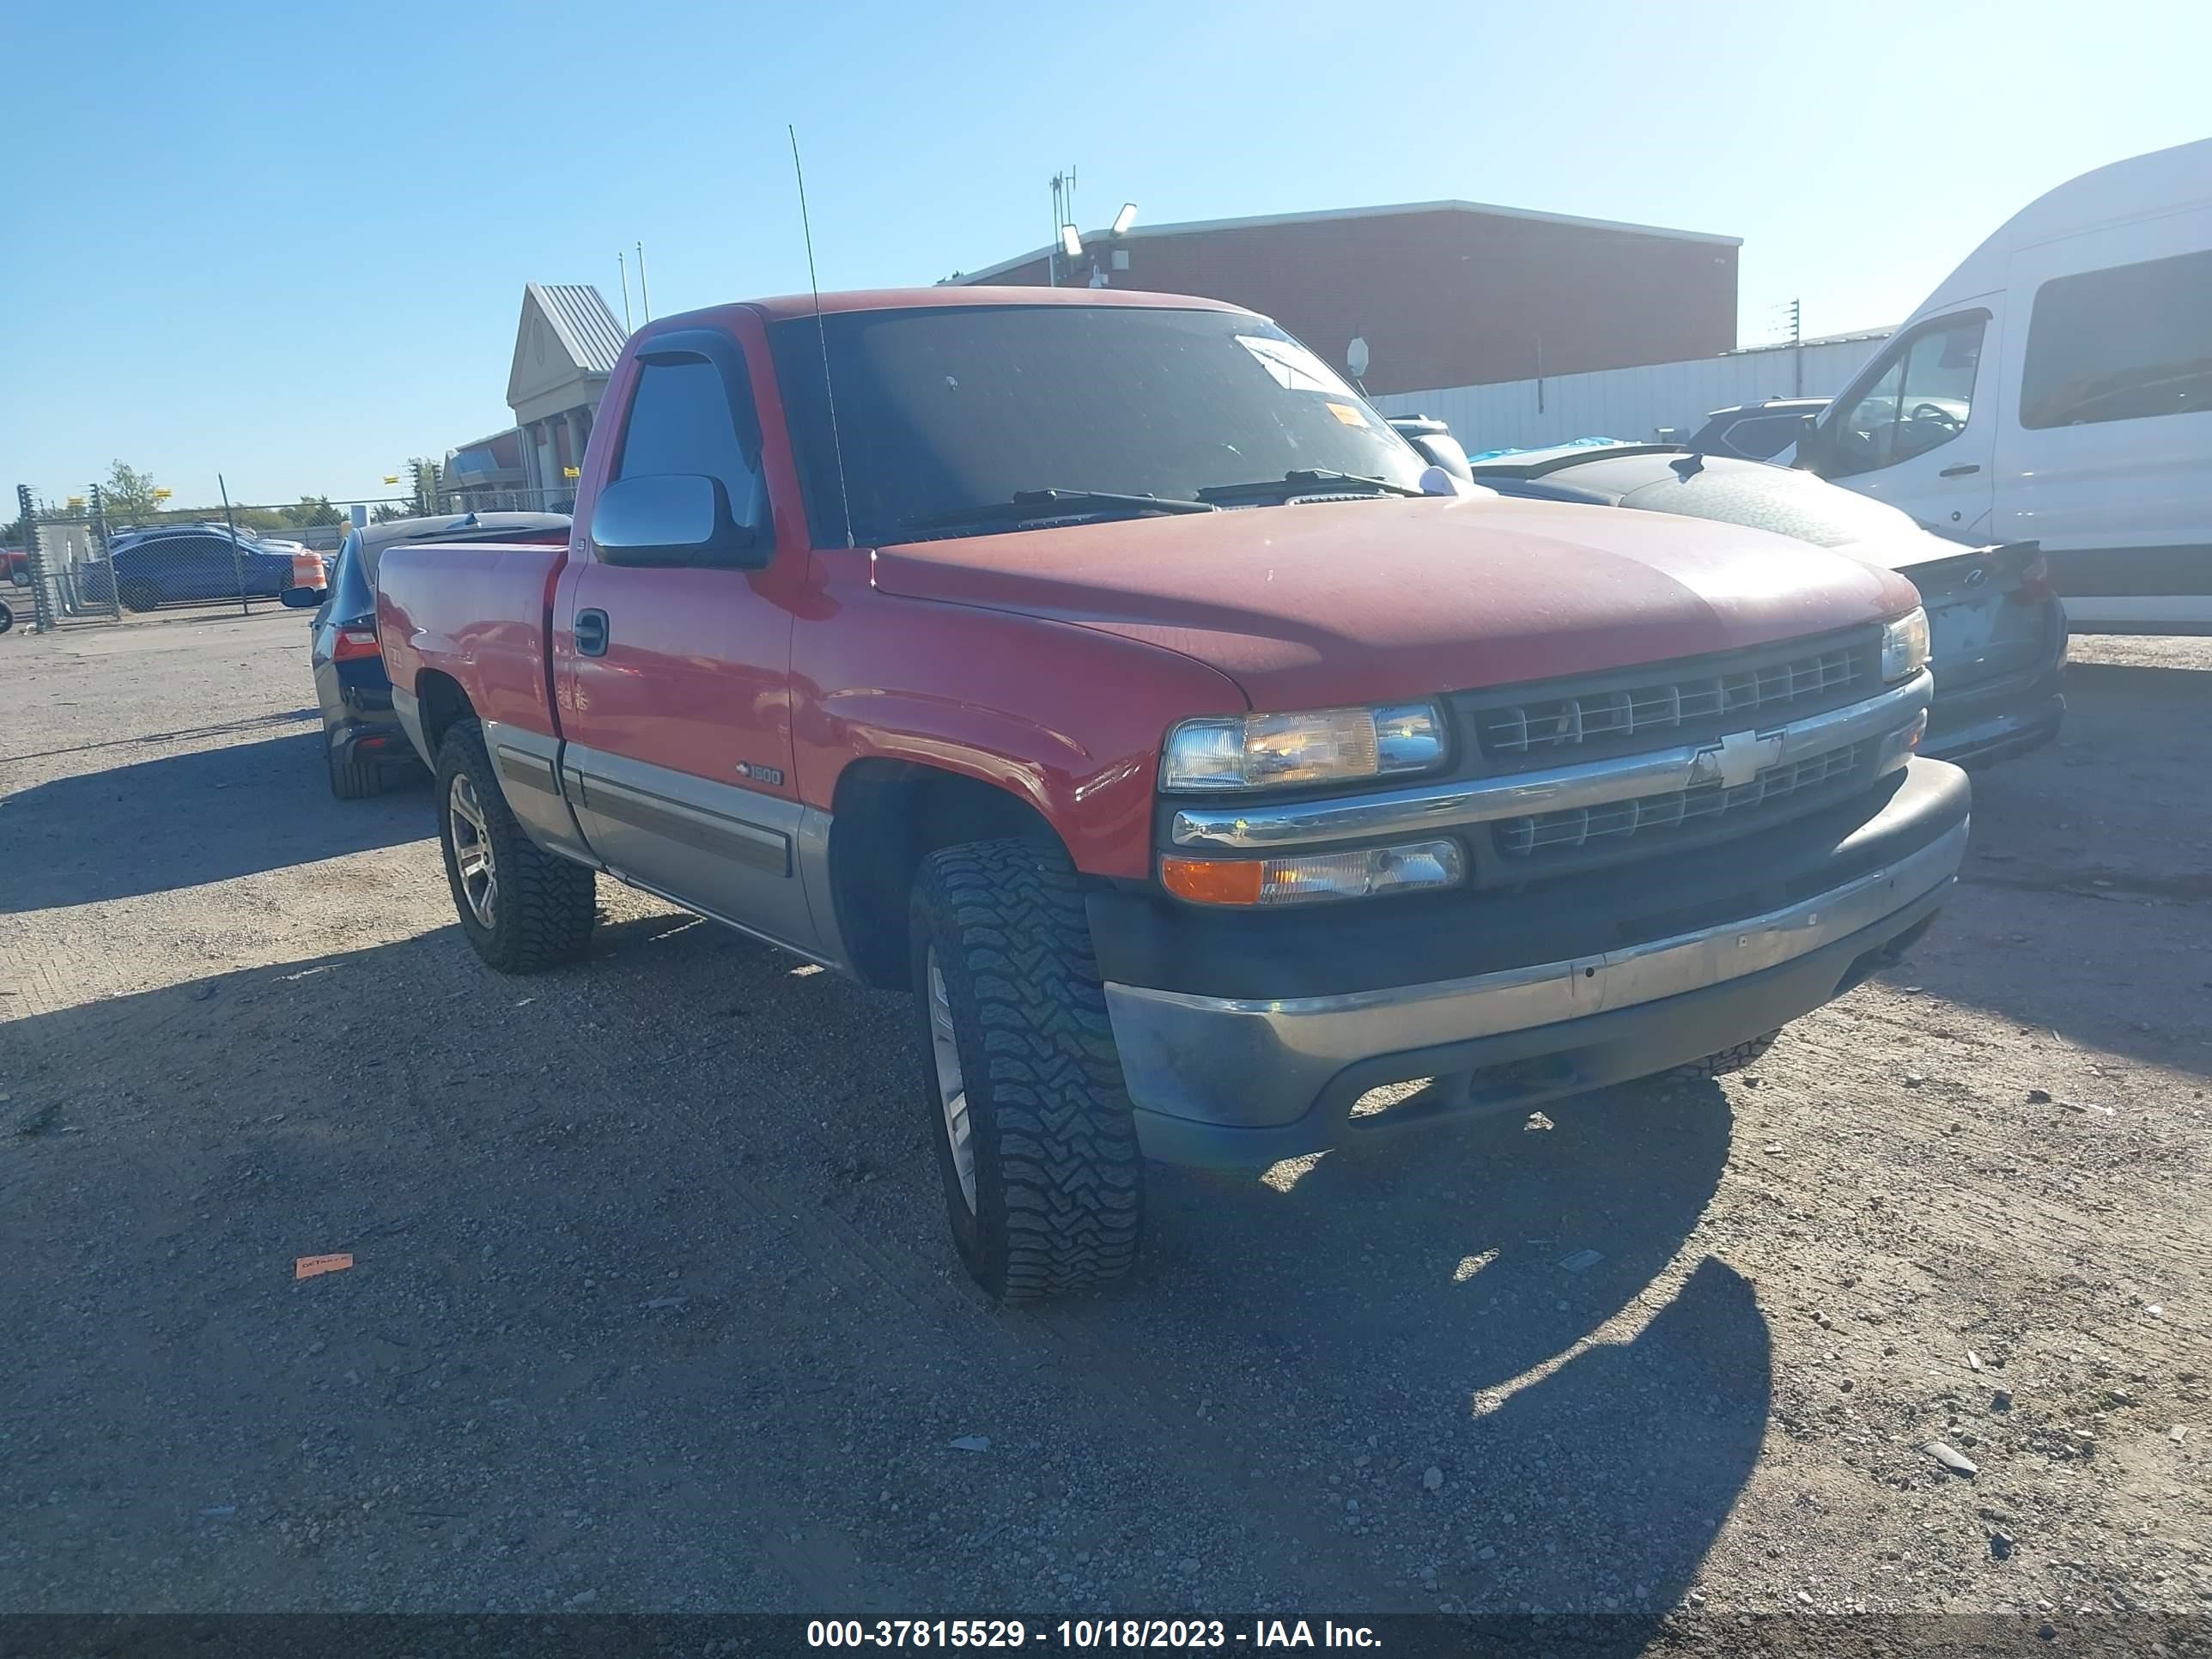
point(308, 1265)
point(1347, 414)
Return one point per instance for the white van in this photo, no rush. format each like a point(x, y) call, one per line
point(2058, 388)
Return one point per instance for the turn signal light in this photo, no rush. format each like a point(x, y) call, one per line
point(1213, 881)
point(1369, 872)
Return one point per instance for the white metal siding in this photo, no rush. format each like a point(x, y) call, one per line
point(1631, 403)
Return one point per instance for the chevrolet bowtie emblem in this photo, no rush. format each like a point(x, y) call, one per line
point(1736, 759)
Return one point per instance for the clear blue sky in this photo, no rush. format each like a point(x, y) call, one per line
point(288, 242)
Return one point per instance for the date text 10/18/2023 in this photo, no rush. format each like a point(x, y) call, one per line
point(1085, 1634)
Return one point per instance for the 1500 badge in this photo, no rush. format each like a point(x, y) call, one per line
point(772, 774)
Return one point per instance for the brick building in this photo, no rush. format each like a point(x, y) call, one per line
point(1445, 293)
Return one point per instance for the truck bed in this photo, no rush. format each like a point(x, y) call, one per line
point(486, 606)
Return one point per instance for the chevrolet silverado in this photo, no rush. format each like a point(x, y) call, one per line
point(1102, 668)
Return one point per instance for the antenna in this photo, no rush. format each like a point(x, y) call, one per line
point(623, 265)
point(1051, 256)
point(821, 334)
point(643, 300)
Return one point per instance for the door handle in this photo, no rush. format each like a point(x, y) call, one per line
point(590, 633)
point(1958, 471)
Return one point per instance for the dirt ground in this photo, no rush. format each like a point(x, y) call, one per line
point(651, 1305)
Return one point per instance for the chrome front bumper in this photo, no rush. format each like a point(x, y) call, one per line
point(1222, 1080)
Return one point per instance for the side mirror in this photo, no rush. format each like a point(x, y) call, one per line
point(1439, 450)
point(1809, 442)
point(679, 518)
point(303, 598)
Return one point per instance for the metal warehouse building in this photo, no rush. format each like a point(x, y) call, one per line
point(1444, 294)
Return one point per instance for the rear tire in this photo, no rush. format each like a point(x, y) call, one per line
point(1728, 1060)
point(1051, 1197)
point(355, 779)
point(524, 908)
point(140, 595)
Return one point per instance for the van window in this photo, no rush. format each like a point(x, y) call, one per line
point(2120, 344)
point(1764, 437)
point(1921, 400)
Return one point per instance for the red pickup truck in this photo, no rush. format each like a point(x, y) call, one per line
point(1102, 668)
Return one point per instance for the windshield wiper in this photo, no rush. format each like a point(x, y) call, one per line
point(1306, 480)
point(1059, 504)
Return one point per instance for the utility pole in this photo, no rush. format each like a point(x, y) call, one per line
point(1063, 215)
point(96, 527)
point(237, 561)
point(1796, 352)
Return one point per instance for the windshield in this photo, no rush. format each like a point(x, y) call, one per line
point(943, 410)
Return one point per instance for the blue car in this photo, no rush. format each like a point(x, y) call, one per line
point(194, 563)
point(363, 740)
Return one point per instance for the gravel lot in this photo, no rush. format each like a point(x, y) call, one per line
point(652, 1308)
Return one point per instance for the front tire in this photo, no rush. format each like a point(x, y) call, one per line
point(1022, 1086)
point(524, 908)
point(140, 596)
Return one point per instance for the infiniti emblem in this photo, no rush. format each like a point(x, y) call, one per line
point(1736, 759)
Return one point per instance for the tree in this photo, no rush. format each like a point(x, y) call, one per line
point(387, 512)
point(313, 510)
point(129, 495)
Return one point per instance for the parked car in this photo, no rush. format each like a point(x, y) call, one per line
point(362, 739)
point(15, 563)
point(118, 539)
point(1997, 633)
point(190, 562)
point(2058, 386)
point(1198, 773)
point(1756, 432)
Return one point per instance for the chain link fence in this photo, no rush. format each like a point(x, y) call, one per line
point(72, 564)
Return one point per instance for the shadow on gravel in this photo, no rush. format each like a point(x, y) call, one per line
point(186, 819)
point(2095, 852)
point(555, 1246)
point(1432, 1288)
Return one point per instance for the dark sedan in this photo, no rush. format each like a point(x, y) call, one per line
point(363, 741)
point(1997, 632)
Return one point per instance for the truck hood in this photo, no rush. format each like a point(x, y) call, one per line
point(1320, 604)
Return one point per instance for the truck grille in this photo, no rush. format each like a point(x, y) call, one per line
point(1759, 689)
point(1550, 836)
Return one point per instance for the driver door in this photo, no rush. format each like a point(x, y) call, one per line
point(1918, 429)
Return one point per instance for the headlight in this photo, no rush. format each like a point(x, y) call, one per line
point(1412, 867)
point(1260, 751)
point(1904, 647)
